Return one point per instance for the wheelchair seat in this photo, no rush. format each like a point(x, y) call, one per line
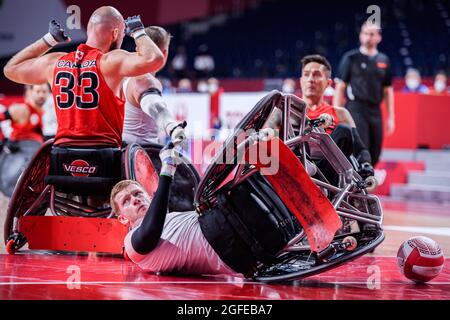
point(84, 171)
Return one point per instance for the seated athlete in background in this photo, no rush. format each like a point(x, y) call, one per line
point(26, 118)
point(146, 113)
point(337, 121)
point(87, 83)
point(160, 241)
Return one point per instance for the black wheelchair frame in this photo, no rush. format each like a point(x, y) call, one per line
point(361, 213)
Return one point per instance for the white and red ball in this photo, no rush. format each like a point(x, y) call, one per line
point(420, 259)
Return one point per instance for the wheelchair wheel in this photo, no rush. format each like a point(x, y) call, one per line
point(14, 162)
point(185, 183)
point(29, 187)
point(301, 264)
point(139, 167)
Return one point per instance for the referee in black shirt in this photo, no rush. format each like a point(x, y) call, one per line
point(365, 79)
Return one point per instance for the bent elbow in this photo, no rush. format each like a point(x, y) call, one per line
point(156, 62)
point(8, 72)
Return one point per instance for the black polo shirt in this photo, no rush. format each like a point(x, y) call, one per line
point(367, 76)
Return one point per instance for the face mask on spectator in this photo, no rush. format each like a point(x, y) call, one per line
point(202, 87)
point(412, 83)
point(439, 86)
point(288, 88)
point(213, 87)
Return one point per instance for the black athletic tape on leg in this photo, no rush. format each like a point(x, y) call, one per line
point(150, 91)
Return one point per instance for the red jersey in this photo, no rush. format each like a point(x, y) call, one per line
point(324, 108)
point(31, 129)
point(87, 110)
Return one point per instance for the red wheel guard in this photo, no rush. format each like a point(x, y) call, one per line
point(298, 192)
point(73, 234)
point(145, 172)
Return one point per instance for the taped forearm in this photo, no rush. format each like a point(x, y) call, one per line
point(155, 107)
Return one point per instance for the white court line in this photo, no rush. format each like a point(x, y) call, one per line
point(438, 231)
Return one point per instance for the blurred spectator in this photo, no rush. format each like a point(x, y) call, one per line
point(328, 94)
point(213, 85)
point(179, 63)
point(202, 86)
point(413, 82)
point(203, 63)
point(167, 86)
point(217, 124)
point(215, 130)
point(288, 86)
point(49, 123)
point(440, 84)
point(184, 86)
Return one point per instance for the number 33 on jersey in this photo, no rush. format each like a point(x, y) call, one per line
point(87, 110)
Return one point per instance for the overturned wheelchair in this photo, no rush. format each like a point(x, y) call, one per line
point(290, 223)
point(286, 224)
point(61, 201)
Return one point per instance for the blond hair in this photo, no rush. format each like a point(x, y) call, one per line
point(119, 186)
point(160, 36)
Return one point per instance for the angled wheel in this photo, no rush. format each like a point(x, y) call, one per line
point(29, 187)
point(139, 167)
point(13, 163)
point(185, 182)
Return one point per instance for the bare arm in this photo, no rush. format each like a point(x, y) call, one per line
point(147, 58)
point(120, 63)
point(345, 117)
point(29, 66)
point(339, 94)
point(19, 113)
point(389, 101)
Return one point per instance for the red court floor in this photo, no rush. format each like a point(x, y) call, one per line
point(374, 276)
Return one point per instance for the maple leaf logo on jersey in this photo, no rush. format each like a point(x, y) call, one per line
point(79, 55)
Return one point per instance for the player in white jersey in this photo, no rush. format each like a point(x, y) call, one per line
point(146, 113)
point(161, 241)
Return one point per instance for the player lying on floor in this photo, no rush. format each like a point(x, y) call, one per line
point(160, 241)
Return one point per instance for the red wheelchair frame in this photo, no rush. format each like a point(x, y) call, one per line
point(67, 228)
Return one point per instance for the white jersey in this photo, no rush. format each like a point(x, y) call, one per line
point(138, 126)
point(182, 248)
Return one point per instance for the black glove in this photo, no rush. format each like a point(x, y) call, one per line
point(56, 34)
point(366, 170)
point(133, 25)
point(177, 134)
